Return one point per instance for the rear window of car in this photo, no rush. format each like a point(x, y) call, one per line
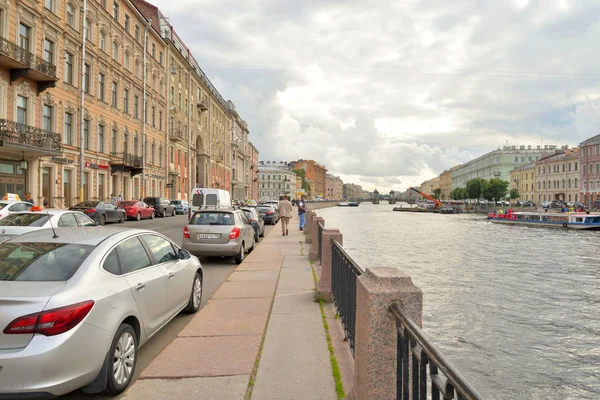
point(127, 203)
point(212, 218)
point(264, 208)
point(41, 262)
point(151, 201)
point(87, 204)
point(176, 202)
point(24, 220)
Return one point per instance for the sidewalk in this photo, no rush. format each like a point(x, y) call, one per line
point(271, 296)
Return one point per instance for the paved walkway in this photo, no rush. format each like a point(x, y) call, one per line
point(214, 356)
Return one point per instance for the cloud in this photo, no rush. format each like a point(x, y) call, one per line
point(388, 94)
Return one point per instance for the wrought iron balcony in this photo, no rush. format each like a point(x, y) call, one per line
point(23, 63)
point(33, 141)
point(126, 159)
point(178, 135)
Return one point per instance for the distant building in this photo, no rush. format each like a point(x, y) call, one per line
point(557, 176)
point(315, 174)
point(333, 188)
point(253, 188)
point(351, 191)
point(275, 182)
point(428, 187)
point(523, 179)
point(590, 169)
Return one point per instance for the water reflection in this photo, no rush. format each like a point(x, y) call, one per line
point(515, 308)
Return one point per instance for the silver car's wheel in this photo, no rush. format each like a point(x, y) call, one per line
point(195, 296)
point(123, 359)
point(240, 257)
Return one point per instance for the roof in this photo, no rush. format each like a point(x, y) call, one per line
point(89, 235)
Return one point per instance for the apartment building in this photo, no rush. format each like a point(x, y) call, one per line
point(240, 159)
point(315, 175)
point(253, 174)
point(523, 179)
point(333, 187)
point(590, 170)
point(558, 176)
point(275, 182)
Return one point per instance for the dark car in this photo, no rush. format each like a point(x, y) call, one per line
point(101, 211)
point(256, 221)
point(162, 206)
point(268, 214)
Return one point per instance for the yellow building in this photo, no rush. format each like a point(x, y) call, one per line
point(523, 179)
point(445, 184)
point(557, 176)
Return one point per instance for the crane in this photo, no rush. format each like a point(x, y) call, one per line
point(438, 204)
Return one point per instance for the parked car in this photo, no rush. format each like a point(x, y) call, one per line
point(101, 291)
point(219, 233)
point(162, 206)
point(545, 204)
point(137, 209)
point(273, 203)
point(181, 206)
point(256, 221)
point(557, 204)
point(27, 221)
point(268, 213)
point(101, 211)
point(8, 207)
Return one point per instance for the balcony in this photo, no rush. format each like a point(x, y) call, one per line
point(202, 104)
point(178, 135)
point(32, 141)
point(24, 64)
point(126, 162)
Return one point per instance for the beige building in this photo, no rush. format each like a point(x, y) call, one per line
point(557, 176)
point(333, 187)
point(445, 183)
point(428, 187)
point(523, 179)
point(240, 159)
point(350, 191)
point(253, 188)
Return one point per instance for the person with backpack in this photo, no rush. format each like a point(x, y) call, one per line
point(302, 211)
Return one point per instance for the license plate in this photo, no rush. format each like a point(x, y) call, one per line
point(207, 236)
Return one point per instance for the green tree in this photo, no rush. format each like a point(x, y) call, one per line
point(514, 194)
point(437, 193)
point(496, 189)
point(475, 188)
point(305, 185)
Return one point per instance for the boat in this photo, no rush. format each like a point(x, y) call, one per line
point(353, 204)
point(572, 220)
point(343, 204)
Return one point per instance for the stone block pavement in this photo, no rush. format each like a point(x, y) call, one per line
point(271, 296)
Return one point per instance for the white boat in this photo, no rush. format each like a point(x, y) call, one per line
point(343, 204)
point(574, 220)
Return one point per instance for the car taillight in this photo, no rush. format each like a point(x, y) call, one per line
point(90, 211)
point(51, 322)
point(186, 233)
point(235, 233)
point(270, 212)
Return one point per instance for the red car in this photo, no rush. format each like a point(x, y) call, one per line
point(137, 209)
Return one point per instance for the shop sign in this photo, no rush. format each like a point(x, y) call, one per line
point(62, 160)
point(95, 166)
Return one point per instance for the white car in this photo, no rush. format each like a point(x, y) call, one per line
point(27, 221)
point(8, 207)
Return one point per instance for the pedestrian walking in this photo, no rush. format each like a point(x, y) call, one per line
point(302, 211)
point(285, 214)
point(28, 198)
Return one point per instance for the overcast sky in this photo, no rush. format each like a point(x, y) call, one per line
point(387, 94)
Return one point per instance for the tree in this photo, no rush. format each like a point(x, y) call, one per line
point(514, 194)
point(475, 188)
point(302, 174)
point(436, 193)
point(496, 189)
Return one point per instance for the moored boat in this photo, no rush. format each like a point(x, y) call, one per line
point(575, 220)
point(343, 204)
point(353, 204)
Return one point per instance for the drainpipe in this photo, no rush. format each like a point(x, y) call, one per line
point(82, 104)
point(145, 110)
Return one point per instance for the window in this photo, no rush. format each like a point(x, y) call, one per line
point(115, 10)
point(133, 255)
point(115, 51)
point(137, 33)
point(160, 58)
point(115, 90)
point(161, 249)
point(84, 220)
point(70, 15)
point(153, 154)
point(86, 78)
point(100, 138)
point(113, 141)
point(160, 119)
point(111, 263)
point(153, 50)
point(88, 29)
point(137, 69)
point(153, 117)
point(102, 41)
point(49, 4)
point(67, 220)
point(127, 23)
point(47, 118)
point(172, 95)
point(49, 51)
point(127, 60)
point(136, 106)
point(22, 110)
point(86, 134)
point(69, 129)
point(101, 81)
point(126, 101)
point(24, 36)
point(516, 159)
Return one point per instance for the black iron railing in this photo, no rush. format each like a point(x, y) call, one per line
point(320, 228)
point(26, 57)
point(344, 272)
point(127, 159)
point(14, 132)
point(417, 351)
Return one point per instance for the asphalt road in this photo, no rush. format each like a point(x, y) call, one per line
point(216, 271)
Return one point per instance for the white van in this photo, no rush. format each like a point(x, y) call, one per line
point(208, 197)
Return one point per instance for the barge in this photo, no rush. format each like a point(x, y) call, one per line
point(574, 220)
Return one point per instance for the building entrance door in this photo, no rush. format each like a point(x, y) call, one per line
point(12, 179)
point(46, 181)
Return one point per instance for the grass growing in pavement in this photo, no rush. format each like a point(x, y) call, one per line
point(335, 368)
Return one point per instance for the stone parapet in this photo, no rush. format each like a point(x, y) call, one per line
point(309, 216)
point(313, 253)
point(324, 284)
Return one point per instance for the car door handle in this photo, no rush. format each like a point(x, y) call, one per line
point(140, 286)
point(171, 275)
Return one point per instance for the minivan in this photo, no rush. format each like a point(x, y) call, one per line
point(208, 198)
point(162, 206)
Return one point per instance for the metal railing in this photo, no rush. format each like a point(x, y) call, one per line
point(344, 272)
point(126, 158)
point(178, 134)
point(26, 57)
point(320, 228)
point(414, 347)
point(14, 132)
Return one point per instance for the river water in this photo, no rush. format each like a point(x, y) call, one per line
point(515, 309)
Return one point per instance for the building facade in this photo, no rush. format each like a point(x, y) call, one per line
point(275, 182)
point(428, 187)
point(350, 191)
point(316, 176)
point(558, 176)
point(240, 164)
point(253, 188)
point(523, 179)
point(445, 184)
point(333, 187)
point(590, 170)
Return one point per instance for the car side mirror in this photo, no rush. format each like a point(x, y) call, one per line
point(184, 254)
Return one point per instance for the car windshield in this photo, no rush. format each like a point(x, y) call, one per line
point(175, 202)
point(264, 208)
point(248, 214)
point(86, 204)
point(2, 205)
point(151, 201)
point(212, 218)
point(24, 220)
point(127, 203)
point(41, 262)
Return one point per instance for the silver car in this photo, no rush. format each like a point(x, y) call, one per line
point(22, 222)
point(77, 303)
point(8, 207)
point(219, 232)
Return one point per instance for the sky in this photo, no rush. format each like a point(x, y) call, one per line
point(389, 93)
